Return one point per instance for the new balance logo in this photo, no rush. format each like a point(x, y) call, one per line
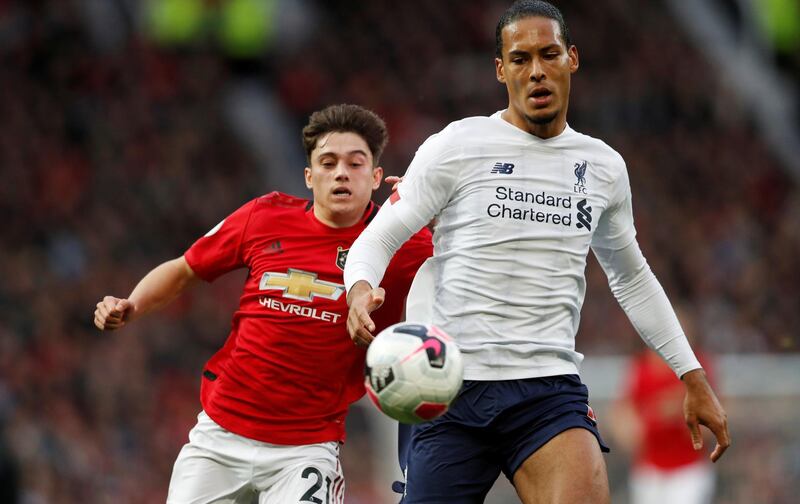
point(503, 168)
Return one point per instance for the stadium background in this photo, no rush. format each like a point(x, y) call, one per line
point(127, 129)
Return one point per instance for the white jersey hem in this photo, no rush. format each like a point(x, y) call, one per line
point(503, 372)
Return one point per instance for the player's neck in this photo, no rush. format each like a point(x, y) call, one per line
point(542, 130)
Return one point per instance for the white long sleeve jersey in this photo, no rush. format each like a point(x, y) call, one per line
point(515, 218)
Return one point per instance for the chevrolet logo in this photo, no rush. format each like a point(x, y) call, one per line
point(298, 284)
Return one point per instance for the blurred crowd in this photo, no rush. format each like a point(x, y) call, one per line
point(117, 156)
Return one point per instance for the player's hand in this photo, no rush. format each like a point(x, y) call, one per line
point(394, 180)
point(701, 407)
point(111, 313)
point(363, 300)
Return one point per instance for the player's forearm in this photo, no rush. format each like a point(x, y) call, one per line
point(645, 303)
point(657, 324)
point(160, 286)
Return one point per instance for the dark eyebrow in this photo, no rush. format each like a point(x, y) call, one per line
point(550, 47)
point(349, 153)
point(520, 52)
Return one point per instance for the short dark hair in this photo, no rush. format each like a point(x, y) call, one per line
point(346, 118)
point(529, 8)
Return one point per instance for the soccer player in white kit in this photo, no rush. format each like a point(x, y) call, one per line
point(519, 199)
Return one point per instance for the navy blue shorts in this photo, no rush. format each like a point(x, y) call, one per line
point(493, 426)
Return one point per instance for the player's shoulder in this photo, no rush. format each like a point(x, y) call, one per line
point(474, 125)
point(598, 148)
point(459, 134)
point(278, 200)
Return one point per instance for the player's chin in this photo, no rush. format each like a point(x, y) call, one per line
point(340, 205)
point(346, 209)
point(541, 116)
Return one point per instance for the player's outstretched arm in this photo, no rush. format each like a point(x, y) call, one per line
point(157, 289)
point(363, 300)
point(701, 407)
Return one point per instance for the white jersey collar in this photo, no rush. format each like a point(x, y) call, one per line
point(564, 134)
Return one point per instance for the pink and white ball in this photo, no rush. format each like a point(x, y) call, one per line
point(413, 372)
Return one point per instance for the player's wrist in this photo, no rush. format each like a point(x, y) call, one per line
point(358, 289)
point(133, 310)
point(694, 378)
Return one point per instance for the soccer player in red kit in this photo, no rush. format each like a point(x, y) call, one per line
point(276, 395)
point(648, 423)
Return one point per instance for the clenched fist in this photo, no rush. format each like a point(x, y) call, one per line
point(111, 313)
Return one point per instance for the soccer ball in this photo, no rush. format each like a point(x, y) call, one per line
point(413, 372)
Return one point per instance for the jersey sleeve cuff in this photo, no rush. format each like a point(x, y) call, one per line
point(679, 355)
point(190, 260)
point(360, 272)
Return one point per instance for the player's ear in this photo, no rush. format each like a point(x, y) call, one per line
point(572, 53)
point(377, 177)
point(307, 173)
point(498, 67)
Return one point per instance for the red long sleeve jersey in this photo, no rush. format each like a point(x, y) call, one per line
point(288, 370)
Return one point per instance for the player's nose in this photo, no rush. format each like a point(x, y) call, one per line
point(537, 70)
point(341, 171)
